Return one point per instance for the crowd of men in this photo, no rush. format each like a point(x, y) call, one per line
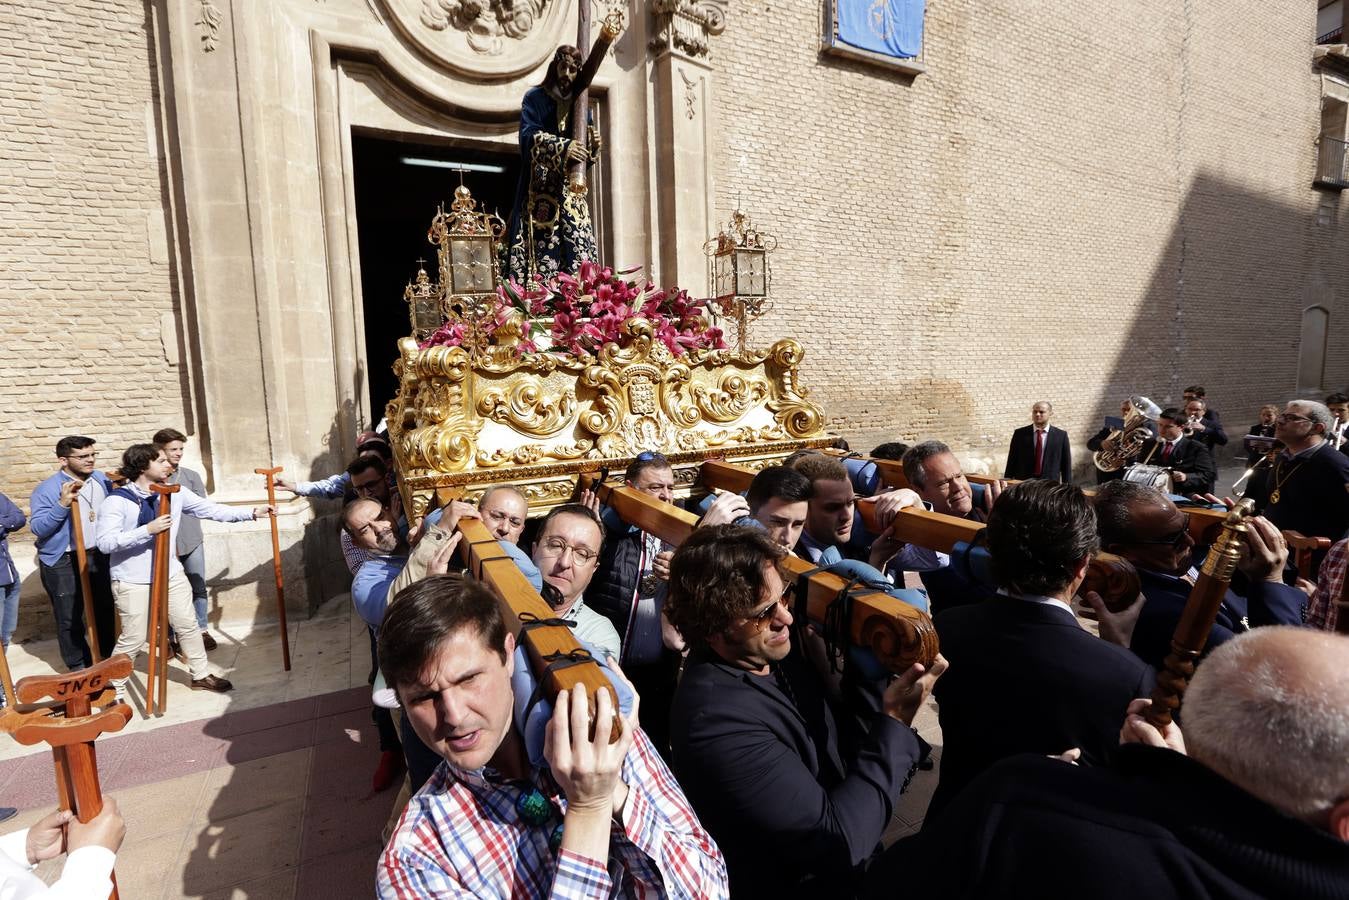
point(749, 754)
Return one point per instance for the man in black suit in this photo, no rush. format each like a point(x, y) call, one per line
point(1197, 392)
point(1251, 801)
point(1039, 450)
point(1192, 468)
point(1143, 526)
point(794, 781)
point(1025, 676)
point(1307, 488)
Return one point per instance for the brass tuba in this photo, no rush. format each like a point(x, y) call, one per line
point(1120, 448)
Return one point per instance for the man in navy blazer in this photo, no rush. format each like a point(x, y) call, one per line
point(1025, 676)
point(1145, 527)
point(1039, 450)
point(795, 778)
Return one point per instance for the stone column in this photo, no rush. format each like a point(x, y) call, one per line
point(682, 85)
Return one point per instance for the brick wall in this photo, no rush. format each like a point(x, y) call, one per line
point(84, 286)
point(81, 194)
point(1076, 202)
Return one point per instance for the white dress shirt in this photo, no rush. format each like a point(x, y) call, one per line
point(87, 873)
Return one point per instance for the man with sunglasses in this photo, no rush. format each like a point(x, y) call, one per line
point(1143, 526)
point(1307, 488)
point(795, 777)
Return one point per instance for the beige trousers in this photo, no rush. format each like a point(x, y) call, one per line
point(133, 605)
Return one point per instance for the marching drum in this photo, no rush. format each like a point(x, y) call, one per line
point(1158, 477)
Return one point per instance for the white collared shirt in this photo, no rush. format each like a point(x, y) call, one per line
point(1041, 600)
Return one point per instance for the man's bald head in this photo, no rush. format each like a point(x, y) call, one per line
point(504, 510)
point(1269, 711)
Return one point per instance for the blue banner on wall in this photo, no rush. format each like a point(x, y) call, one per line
point(890, 27)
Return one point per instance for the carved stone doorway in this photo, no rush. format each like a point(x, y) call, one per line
point(398, 185)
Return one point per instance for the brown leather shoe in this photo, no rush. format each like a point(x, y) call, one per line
point(212, 683)
point(207, 641)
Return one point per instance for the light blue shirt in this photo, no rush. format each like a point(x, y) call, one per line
point(130, 547)
point(50, 521)
point(329, 488)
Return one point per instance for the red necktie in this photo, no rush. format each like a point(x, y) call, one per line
point(1166, 454)
point(1039, 452)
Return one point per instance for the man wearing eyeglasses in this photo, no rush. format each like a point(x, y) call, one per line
point(567, 551)
point(1307, 488)
point(51, 523)
point(1143, 526)
point(795, 779)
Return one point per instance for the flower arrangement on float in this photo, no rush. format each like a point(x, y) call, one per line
point(578, 314)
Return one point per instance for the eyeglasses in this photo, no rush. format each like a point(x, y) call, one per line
point(555, 546)
point(1171, 540)
point(92, 454)
point(366, 487)
point(764, 617)
point(1291, 417)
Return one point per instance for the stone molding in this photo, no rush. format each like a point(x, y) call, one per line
point(687, 26)
point(494, 39)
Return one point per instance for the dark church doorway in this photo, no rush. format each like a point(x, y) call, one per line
point(398, 186)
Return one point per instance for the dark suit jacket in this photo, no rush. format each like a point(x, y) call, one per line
point(1264, 604)
point(1155, 825)
point(1026, 678)
point(1312, 495)
point(1190, 457)
point(1058, 464)
point(796, 794)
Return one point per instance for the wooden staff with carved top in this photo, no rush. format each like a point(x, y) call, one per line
point(72, 736)
point(1200, 612)
point(157, 669)
point(270, 475)
point(82, 567)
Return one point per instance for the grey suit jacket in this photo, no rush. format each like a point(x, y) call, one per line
point(189, 529)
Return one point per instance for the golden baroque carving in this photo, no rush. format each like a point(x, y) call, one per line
point(735, 395)
point(793, 411)
point(529, 454)
point(540, 417)
point(526, 408)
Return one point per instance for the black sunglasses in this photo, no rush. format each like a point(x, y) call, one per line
point(1174, 540)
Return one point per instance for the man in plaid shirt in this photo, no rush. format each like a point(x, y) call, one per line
point(1323, 608)
point(603, 820)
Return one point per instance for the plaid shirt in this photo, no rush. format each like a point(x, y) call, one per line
point(461, 836)
point(1322, 611)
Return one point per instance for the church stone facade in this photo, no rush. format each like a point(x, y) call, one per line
point(1070, 201)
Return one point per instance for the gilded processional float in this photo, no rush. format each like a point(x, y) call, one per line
point(530, 386)
point(529, 362)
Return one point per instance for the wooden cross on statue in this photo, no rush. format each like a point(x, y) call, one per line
point(72, 736)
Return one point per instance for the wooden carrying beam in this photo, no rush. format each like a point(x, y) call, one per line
point(520, 605)
point(896, 633)
point(936, 531)
point(1204, 523)
point(1111, 576)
